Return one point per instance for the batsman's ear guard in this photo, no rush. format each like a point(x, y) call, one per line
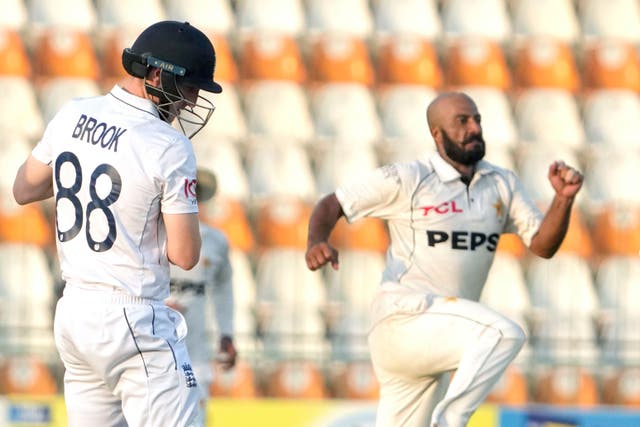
point(135, 64)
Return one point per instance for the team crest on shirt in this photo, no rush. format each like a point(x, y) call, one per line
point(499, 208)
point(189, 376)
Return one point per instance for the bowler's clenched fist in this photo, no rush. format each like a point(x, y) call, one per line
point(319, 254)
point(566, 180)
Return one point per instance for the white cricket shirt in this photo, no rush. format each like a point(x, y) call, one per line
point(211, 277)
point(116, 168)
point(443, 234)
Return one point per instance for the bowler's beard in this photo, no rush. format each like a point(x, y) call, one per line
point(461, 156)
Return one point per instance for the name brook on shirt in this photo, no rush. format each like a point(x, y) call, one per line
point(90, 130)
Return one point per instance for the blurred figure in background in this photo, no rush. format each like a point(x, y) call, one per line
point(212, 276)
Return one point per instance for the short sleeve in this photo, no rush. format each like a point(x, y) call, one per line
point(178, 171)
point(374, 194)
point(43, 151)
point(524, 216)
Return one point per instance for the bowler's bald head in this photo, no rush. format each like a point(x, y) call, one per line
point(442, 107)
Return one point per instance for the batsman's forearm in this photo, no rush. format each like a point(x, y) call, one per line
point(553, 228)
point(323, 219)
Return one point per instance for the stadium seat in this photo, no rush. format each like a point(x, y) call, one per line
point(27, 298)
point(408, 59)
point(79, 15)
point(546, 18)
point(116, 15)
point(566, 310)
point(296, 379)
point(211, 16)
point(340, 164)
point(622, 387)
point(57, 91)
point(483, 18)
point(26, 375)
point(336, 57)
point(287, 121)
point(566, 386)
point(350, 291)
point(280, 16)
point(346, 112)
point(511, 389)
point(230, 216)
point(226, 67)
point(546, 63)
point(354, 380)
point(244, 300)
point(617, 279)
point(498, 123)
point(510, 243)
point(282, 222)
point(275, 168)
point(223, 157)
point(240, 382)
point(228, 121)
point(611, 117)
point(403, 111)
point(14, 15)
point(110, 46)
point(14, 58)
point(352, 18)
point(19, 105)
point(505, 289)
point(413, 17)
point(476, 61)
point(549, 116)
point(290, 306)
point(616, 19)
point(271, 56)
point(65, 53)
point(611, 64)
point(616, 229)
point(369, 234)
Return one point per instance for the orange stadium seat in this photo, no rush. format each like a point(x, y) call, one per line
point(511, 389)
point(14, 59)
point(240, 382)
point(566, 385)
point(341, 58)
point(111, 55)
point(66, 53)
point(511, 243)
point(26, 224)
point(229, 215)
point(365, 234)
point(611, 64)
point(622, 387)
point(616, 229)
point(409, 59)
point(296, 379)
point(546, 62)
point(26, 375)
point(355, 380)
point(476, 61)
point(226, 67)
point(271, 56)
point(282, 222)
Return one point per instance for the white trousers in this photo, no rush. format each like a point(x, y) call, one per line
point(417, 340)
point(126, 362)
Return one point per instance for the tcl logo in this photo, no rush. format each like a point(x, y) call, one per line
point(464, 240)
point(442, 208)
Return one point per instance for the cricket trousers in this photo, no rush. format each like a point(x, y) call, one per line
point(417, 340)
point(126, 361)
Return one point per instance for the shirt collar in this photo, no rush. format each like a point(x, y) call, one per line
point(447, 173)
point(134, 101)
